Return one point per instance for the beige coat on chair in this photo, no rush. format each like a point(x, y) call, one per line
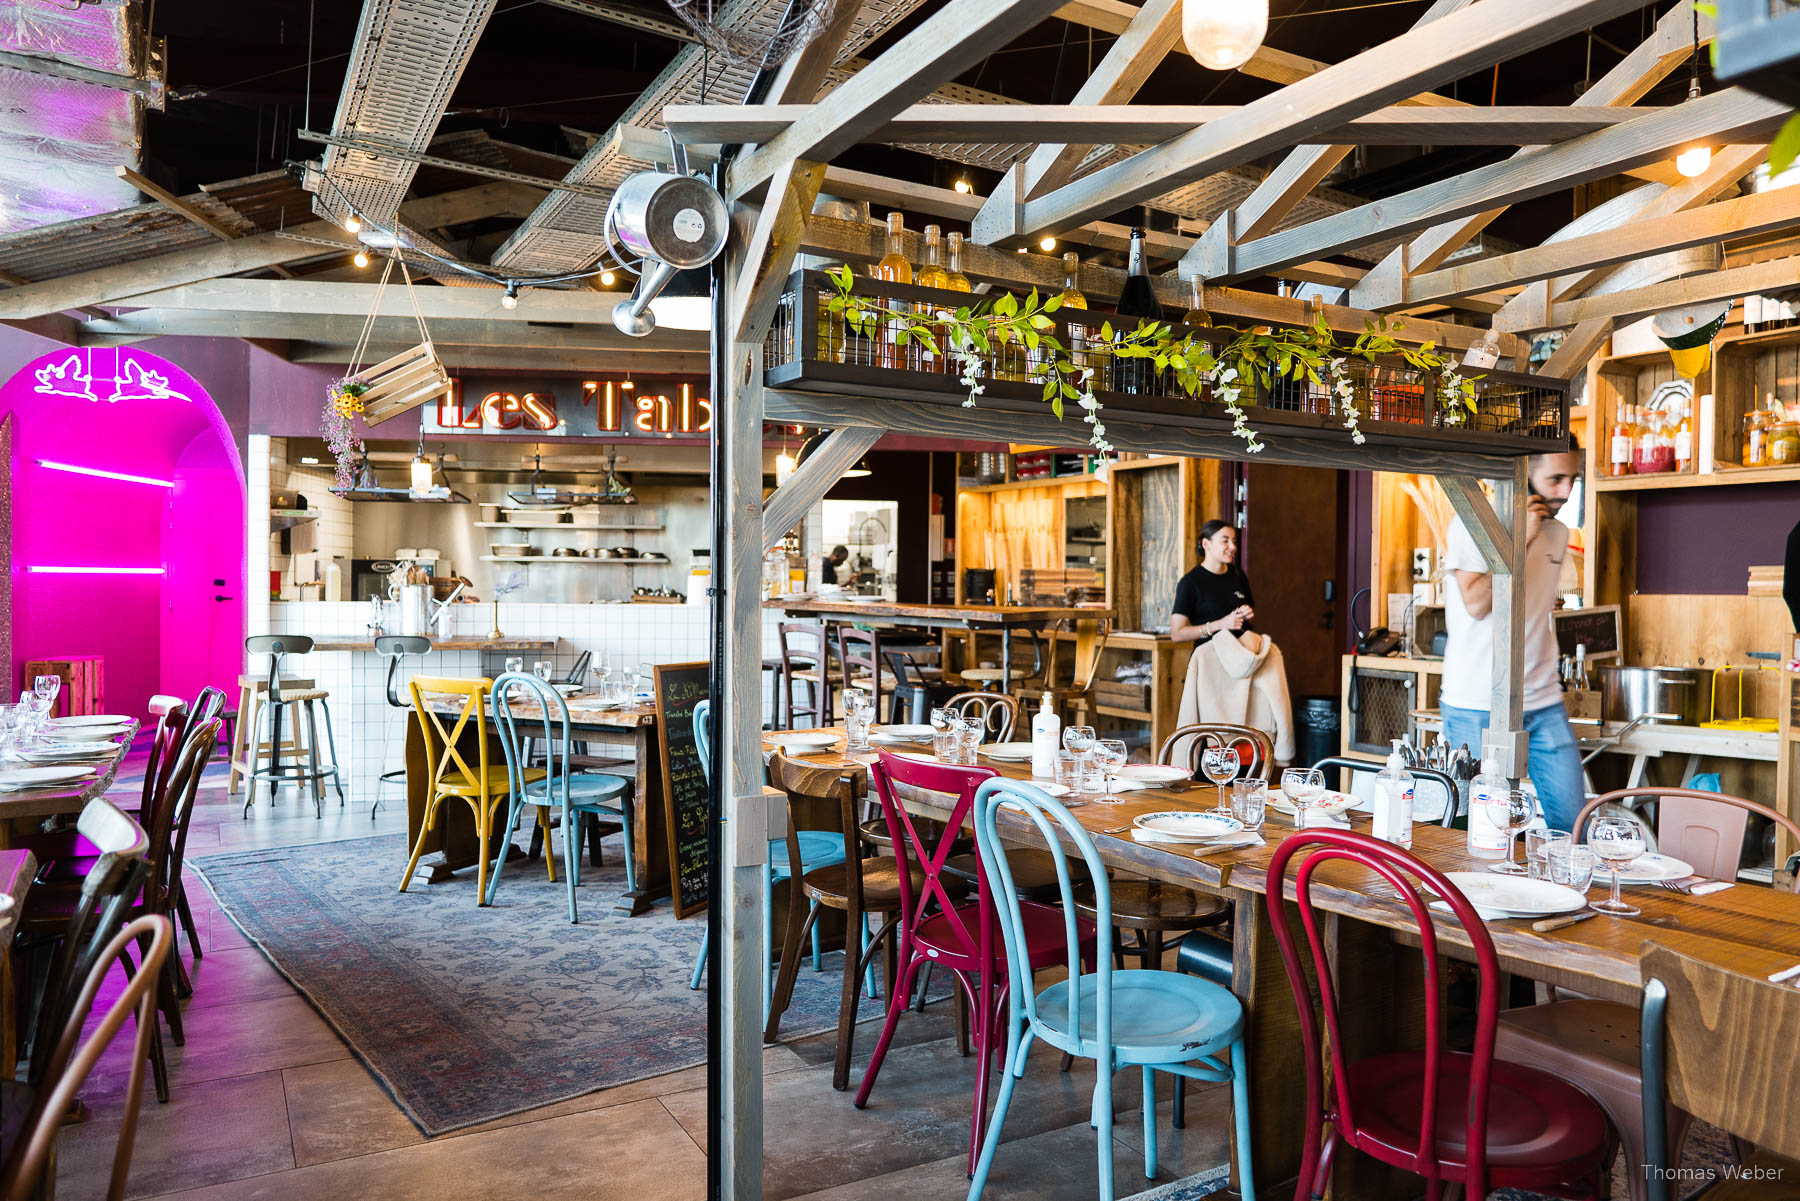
point(1241, 680)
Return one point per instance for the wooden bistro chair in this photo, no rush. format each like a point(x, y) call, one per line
point(1715, 1046)
point(997, 713)
point(803, 661)
point(859, 663)
point(1027, 671)
point(67, 1068)
point(1075, 700)
point(1595, 1043)
point(482, 786)
point(1465, 1118)
point(575, 794)
point(1153, 1021)
point(854, 886)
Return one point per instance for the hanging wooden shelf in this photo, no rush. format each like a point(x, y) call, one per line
point(876, 382)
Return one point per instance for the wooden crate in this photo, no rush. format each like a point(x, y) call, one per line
point(83, 682)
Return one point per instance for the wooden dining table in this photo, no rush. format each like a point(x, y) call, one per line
point(1372, 939)
point(453, 846)
point(26, 808)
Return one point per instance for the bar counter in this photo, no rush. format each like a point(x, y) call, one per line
point(460, 643)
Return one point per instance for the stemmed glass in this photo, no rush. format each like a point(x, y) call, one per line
point(859, 711)
point(1519, 812)
point(10, 718)
point(46, 688)
point(1079, 742)
point(1220, 765)
point(1109, 753)
point(1616, 841)
point(1303, 786)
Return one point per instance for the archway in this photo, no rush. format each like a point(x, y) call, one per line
point(128, 504)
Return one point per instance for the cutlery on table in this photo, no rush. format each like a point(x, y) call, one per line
point(1784, 975)
point(1562, 923)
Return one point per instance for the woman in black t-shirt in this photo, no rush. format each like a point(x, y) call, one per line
point(1215, 595)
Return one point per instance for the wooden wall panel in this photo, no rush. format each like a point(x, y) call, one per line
point(1708, 631)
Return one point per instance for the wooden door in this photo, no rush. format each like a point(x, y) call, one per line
point(1295, 544)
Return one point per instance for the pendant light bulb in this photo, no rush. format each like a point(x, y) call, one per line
point(1694, 161)
point(963, 187)
point(511, 299)
point(784, 467)
point(608, 279)
point(360, 258)
point(353, 224)
point(421, 475)
point(1047, 245)
point(1222, 35)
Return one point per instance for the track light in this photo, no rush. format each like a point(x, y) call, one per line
point(511, 299)
point(360, 258)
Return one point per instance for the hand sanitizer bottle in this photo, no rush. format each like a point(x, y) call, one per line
point(1046, 740)
point(1394, 801)
point(1488, 835)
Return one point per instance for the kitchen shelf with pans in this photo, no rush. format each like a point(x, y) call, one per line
point(567, 559)
point(287, 519)
point(520, 525)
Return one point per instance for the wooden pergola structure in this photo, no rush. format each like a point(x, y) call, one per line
point(1317, 118)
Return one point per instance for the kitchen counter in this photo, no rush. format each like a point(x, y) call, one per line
point(466, 642)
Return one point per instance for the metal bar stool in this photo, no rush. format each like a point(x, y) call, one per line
point(275, 705)
point(393, 648)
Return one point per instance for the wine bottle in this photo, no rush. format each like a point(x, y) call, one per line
point(931, 272)
point(1197, 316)
point(1137, 299)
point(894, 268)
point(957, 281)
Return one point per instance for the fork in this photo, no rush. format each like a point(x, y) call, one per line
point(1676, 886)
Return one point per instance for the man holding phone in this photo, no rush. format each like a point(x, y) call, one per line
point(1555, 760)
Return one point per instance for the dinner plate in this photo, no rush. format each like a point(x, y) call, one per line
point(1648, 869)
point(567, 689)
point(1008, 752)
point(910, 733)
point(791, 738)
point(1187, 825)
point(14, 778)
point(883, 739)
point(1336, 803)
point(88, 719)
point(1515, 896)
point(1154, 773)
point(58, 754)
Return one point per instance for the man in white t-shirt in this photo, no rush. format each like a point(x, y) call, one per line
point(1555, 761)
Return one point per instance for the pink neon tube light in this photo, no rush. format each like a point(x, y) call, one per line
point(105, 475)
point(96, 570)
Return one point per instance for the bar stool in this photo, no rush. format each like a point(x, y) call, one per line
point(393, 648)
point(276, 702)
point(243, 755)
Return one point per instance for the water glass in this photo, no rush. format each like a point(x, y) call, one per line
point(515, 663)
point(542, 669)
point(1570, 865)
point(1109, 756)
point(1616, 841)
point(1070, 772)
point(945, 744)
point(1249, 802)
point(859, 714)
point(46, 687)
point(969, 734)
point(1537, 843)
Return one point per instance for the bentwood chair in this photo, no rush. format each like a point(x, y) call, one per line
point(1464, 1118)
point(1154, 1021)
point(394, 648)
point(67, 1069)
point(1595, 1044)
point(276, 705)
point(997, 713)
point(575, 794)
point(482, 785)
point(1714, 1047)
point(939, 929)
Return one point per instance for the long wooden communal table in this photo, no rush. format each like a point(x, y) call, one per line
point(28, 807)
point(1372, 936)
point(974, 618)
point(454, 845)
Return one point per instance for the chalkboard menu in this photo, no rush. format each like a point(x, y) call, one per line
point(679, 687)
point(1596, 628)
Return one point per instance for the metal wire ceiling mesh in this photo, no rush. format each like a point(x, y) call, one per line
point(755, 45)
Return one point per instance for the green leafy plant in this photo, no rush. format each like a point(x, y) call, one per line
point(976, 334)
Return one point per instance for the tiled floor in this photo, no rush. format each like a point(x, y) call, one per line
point(267, 1101)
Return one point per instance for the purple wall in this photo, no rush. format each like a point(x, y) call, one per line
point(1705, 540)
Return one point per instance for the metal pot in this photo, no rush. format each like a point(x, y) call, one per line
point(564, 552)
point(1665, 695)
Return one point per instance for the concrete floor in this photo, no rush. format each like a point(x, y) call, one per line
point(267, 1100)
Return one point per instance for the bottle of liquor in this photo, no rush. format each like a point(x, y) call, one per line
point(1136, 299)
point(1619, 444)
point(1075, 339)
point(957, 281)
point(895, 269)
point(1197, 317)
point(931, 272)
point(1684, 438)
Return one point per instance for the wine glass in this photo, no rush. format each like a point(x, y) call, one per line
point(1220, 765)
point(1519, 812)
point(1109, 753)
point(1079, 742)
point(1303, 787)
point(1616, 841)
point(542, 669)
point(46, 687)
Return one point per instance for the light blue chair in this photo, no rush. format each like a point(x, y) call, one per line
point(1155, 1020)
point(574, 793)
point(818, 848)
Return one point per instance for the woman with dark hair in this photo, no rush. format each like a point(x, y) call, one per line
point(1215, 595)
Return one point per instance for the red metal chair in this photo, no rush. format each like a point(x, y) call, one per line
point(936, 930)
point(1469, 1119)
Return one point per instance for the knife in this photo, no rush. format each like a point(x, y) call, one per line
point(1562, 923)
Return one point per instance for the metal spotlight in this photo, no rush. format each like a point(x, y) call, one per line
point(676, 223)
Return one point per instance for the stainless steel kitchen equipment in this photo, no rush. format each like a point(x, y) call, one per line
point(1665, 695)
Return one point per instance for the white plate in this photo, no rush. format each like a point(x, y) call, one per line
point(880, 739)
point(1154, 773)
point(85, 746)
point(1188, 826)
point(1648, 869)
point(38, 777)
point(790, 738)
point(1051, 788)
point(1007, 752)
point(1516, 896)
point(567, 689)
point(61, 755)
point(1335, 803)
point(909, 733)
point(89, 719)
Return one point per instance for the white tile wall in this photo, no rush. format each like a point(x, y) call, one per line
point(334, 532)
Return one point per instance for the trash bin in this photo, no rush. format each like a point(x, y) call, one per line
point(1316, 733)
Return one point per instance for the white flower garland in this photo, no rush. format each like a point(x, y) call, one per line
point(1227, 390)
point(1343, 397)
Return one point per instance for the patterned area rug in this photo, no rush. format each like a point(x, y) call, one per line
point(469, 1014)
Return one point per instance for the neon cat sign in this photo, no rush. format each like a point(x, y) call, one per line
point(647, 412)
point(106, 373)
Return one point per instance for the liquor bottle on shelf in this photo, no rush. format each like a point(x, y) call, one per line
point(1136, 299)
point(896, 269)
point(931, 271)
point(957, 281)
point(1075, 338)
point(1684, 437)
point(1197, 317)
point(1619, 443)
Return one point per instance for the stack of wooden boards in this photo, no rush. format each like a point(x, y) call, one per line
point(1767, 581)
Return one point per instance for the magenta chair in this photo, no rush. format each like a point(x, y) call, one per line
point(1469, 1119)
point(936, 931)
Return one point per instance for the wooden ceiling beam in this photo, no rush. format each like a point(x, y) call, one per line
point(347, 329)
point(180, 207)
point(1637, 302)
point(316, 298)
point(531, 360)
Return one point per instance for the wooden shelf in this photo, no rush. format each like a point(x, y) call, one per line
point(566, 559)
point(1721, 476)
point(1143, 715)
point(1046, 481)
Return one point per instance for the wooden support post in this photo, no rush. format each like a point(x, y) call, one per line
point(786, 505)
point(1498, 529)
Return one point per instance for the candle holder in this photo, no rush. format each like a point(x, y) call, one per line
point(494, 634)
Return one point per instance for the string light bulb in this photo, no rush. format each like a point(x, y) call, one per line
point(608, 279)
point(963, 186)
point(1223, 35)
point(360, 258)
point(353, 224)
point(1694, 160)
point(1047, 245)
point(511, 299)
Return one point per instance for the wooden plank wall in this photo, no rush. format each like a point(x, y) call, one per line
point(1011, 528)
point(1708, 631)
point(1148, 554)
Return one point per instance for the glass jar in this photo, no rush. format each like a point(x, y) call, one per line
point(1784, 443)
point(1756, 438)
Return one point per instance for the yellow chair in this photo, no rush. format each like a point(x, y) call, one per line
point(484, 787)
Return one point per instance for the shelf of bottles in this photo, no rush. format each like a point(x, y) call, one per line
point(811, 349)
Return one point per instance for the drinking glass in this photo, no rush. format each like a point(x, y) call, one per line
point(1219, 764)
point(1109, 753)
point(1570, 865)
point(1079, 741)
point(859, 712)
point(515, 663)
point(1520, 809)
point(646, 675)
point(1303, 787)
point(627, 685)
point(542, 669)
point(46, 688)
point(1616, 841)
point(9, 728)
point(1249, 802)
point(969, 734)
point(1537, 844)
point(1068, 771)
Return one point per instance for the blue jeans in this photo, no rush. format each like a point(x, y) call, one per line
point(1555, 760)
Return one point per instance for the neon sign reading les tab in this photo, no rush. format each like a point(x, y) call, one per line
point(111, 374)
